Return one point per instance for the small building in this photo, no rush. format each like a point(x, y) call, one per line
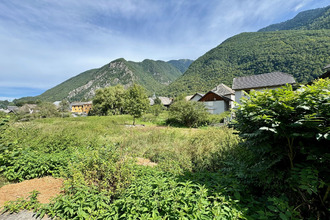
point(81, 107)
point(12, 109)
point(165, 101)
point(272, 80)
point(219, 99)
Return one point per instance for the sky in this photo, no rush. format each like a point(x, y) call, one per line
point(45, 42)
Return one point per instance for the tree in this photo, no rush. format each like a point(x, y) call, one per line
point(109, 101)
point(64, 105)
point(157, 101)
point(46, 110)
point(190, 114)
point(137, 101)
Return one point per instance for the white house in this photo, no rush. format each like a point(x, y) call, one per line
point(272, 80)
point(219, 99)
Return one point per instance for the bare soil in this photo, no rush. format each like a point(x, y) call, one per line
point(48, 187)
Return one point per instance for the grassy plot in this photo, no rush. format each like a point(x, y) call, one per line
point(96, 156)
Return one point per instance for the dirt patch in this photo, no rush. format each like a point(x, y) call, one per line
point(145, 162)
point(48, 187)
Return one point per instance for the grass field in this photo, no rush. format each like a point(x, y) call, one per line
point(96, 157)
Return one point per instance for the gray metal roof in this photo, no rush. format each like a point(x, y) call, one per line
point(222, 90)
point(262, 80)
point(197, 93)
point(327, 67)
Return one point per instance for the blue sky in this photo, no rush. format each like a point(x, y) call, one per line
point(45, 42)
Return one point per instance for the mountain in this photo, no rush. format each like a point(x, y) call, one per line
point(314, 19)
point(302, 53)
point(152, 75)
point(181, 64)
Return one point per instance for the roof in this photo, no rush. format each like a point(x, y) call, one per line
point(262, 80)
point(327, 67)
point(81, 103)
point(12, 108)
point(212, 92)
point(165, 100)
point(222, 90)
point(196, 94)
point(187, 98)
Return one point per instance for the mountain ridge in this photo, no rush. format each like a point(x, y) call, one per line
point(151, 74)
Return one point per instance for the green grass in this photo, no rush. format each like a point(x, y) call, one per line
point(96, 157)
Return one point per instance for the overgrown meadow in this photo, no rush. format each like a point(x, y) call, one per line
point(273, 166)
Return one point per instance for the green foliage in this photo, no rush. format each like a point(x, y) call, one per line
point(109, 101)
point(301, 53)
point(190, 114)
point(137, 101)
point(314, 19)
point(181, 64)
point(64, 106)
point(95, 178)
point(287, 133)
point(157, 109)
point(4, 104)
point(31, 203)
point(159, 195)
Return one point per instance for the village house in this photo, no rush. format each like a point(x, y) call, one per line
point(165, 101)
point(218, 100)
point(273, 80)
point(12, 109)
point(81, 107)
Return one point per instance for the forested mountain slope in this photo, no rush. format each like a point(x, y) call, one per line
point(152, 75)
point(302, 53)
point(314, 19)
point(181, 64)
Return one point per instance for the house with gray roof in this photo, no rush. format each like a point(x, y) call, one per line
point(165, 101)
point(12, 109)
point(219, 99)
point(271, 80)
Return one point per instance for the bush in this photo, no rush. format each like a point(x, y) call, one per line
point(190, 114)
point(94, 179)
point(287, 136)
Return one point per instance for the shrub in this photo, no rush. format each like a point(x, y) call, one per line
point(94, 179)
point(190, 114)
point(284, 128)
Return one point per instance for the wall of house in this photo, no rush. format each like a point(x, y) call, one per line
point(232, 97)
point(216, 107)
point(240, 93)
point(77, 108)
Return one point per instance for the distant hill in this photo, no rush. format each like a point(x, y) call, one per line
point(181, 64)
point(302, 53)
point(314, 19)
point(152, 75)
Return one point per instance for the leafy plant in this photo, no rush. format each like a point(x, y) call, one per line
point(30, 203)
point(283, 128)
point(190, 114)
